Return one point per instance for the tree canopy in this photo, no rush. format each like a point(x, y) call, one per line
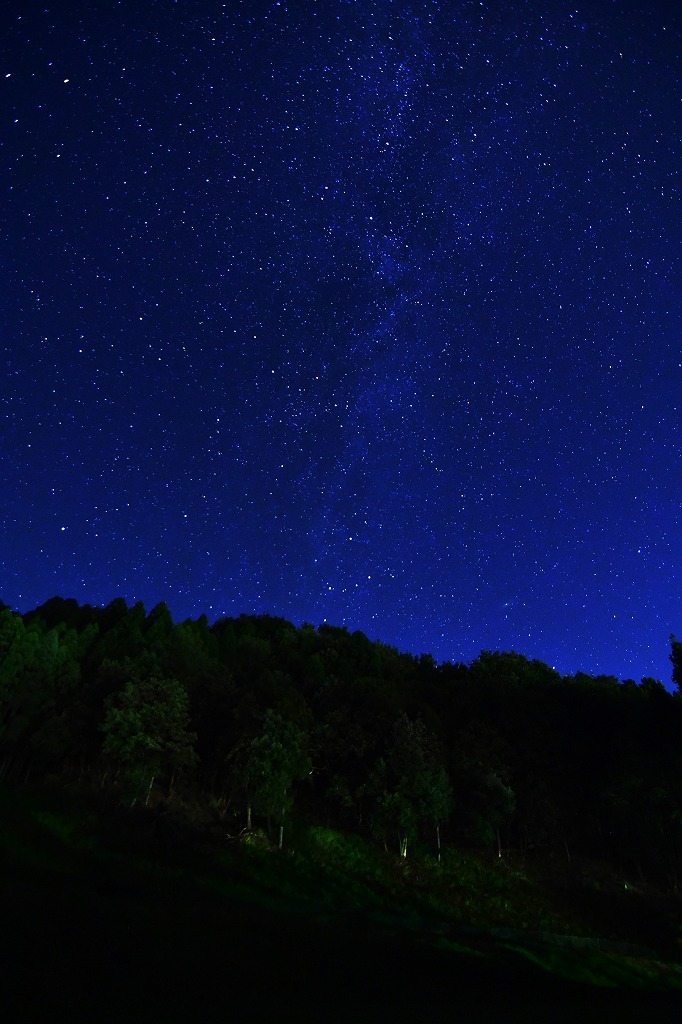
point(255, 715)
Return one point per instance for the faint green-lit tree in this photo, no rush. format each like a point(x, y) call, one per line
point(266, 768)
point(409, 786)
point(147, 735)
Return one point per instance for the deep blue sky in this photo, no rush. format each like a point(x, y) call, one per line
point(359, 312)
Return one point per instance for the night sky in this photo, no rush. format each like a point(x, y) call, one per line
point(366, 313)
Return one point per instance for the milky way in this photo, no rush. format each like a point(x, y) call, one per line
point(357, 312)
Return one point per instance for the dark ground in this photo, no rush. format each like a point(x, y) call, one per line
point(108, 935)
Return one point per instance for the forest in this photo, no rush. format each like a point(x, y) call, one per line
point(256, 721)
point(254, 730)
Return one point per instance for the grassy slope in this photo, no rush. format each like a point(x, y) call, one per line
point(110, 916)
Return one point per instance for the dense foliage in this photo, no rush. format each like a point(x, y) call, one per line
point(254, 718)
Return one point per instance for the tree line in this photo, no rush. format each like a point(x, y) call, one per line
point(259, 722)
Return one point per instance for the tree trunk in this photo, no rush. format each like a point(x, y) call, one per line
point(149, 789)
point(438, 840)
point(403, 847)
point(281, 830)
point(248, 816)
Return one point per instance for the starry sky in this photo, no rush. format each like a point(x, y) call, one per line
point(357, 312)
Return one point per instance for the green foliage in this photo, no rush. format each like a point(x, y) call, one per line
point(40, 675)
point(523, 758)
point(268, 766)
point(146, 732)
point(408, 784)
point(495, 802)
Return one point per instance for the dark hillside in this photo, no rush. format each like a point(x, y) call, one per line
point(116, 917)
point(252, 815)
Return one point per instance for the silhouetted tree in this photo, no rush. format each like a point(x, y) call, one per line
point(676, 659)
